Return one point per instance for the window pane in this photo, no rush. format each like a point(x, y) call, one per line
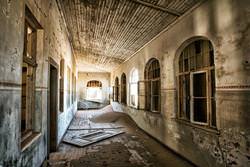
point(187, 95)
point(152, 69)
point(199, 63)
point(134, 94)
point(24, 97)
point(156, 87)
point(148, 95)
point(213, 108)
point(180, 66)
point(186, 65)
point(184, 94)
point(197, 45)
point(200, 110)
point(200, 99)
point(199, 85)
point(205, 53)
point(94, 83)
point(192, 63)
point(180, 94)
point(155, 103)
point(155, 97)
point(29, 42)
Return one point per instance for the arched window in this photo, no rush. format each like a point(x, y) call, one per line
point(116, 90)
point(196, 83)
point(152, 85)
point(94, 90)
point(123, 89)
point(134, 78)
point(94, 83)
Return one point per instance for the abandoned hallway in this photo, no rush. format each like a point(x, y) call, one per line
point(123, 83)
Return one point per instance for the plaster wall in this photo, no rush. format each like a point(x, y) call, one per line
point(83, 79)
point(226, 24)
point(52, 43)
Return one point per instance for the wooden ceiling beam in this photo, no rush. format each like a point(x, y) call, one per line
point(167, 10)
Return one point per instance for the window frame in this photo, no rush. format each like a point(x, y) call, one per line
point(30, 79)
point(206, 67)
point(152, 73)
point(192, 98)
point(30, 132)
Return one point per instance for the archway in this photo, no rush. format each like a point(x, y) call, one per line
point(94, 90)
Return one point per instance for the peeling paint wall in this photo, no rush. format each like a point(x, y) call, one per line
point(226, 24)
point(53, 42)
point(83, 79)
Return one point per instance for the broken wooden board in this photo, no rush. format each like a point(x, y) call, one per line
point(96, 126)
point(83, 139)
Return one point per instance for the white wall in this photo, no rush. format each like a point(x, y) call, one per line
point(83, 79)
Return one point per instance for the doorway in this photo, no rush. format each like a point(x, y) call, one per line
point(94, 90)
point(116, 90)
point(52, 108)
point(123, 89)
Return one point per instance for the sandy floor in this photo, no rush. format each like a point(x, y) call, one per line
point(133, 148)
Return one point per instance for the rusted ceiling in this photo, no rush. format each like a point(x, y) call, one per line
point(104, 33)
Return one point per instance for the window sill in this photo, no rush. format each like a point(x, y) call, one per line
point(29, 140)
point(202, 127)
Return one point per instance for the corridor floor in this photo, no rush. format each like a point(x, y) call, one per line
point(133, 148)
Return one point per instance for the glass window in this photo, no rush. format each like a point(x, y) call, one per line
point(196, 80)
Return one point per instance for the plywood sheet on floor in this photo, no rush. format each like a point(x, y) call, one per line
point(81, 139)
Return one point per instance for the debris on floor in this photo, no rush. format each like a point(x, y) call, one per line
point(130, 147)
point(88, 125)
point(86, 105)
point(81, 139)
point(61, 163)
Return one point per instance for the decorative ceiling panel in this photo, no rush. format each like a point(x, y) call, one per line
point(104, 33)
